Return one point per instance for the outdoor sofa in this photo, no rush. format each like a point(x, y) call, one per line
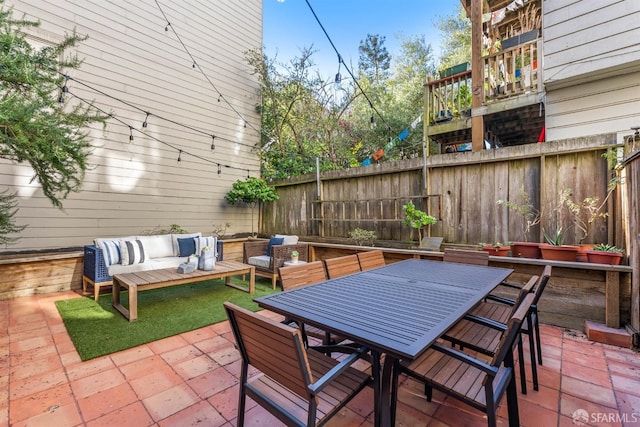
point(116, 255)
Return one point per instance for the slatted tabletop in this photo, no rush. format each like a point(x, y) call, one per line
point(398, 309)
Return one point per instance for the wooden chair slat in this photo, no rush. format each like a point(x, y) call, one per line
point(464, 256)
point(341, 266)
point(371, 259)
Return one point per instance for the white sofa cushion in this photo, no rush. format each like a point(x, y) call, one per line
point(174, 241)
point(157, 246)
point(288, 240)
point(260, 261)
point(210, 241)
point(150, 264)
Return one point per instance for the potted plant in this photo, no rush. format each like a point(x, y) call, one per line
point(417, 219)
point(294, 257)
point(252, 192)
point(497, 248)
point(555, 249)
point(530, 217)
point(605, 254)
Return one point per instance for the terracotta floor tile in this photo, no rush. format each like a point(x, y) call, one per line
point(156, 381)
point(19, 358)
point(62, 416)
point(167, 344)
point(622, 355)
point(41, 402)
point(586, 373)
point(131, 355)
point(570, 405)
point(532, 415)
point(132, 415)
point(212, 382)
point(194, 367)
point(198, 335)
point(584, 347)
point(35, 367)
point(582, 359)
point(591, 392)
point(36, 383)
point(222, 328)
point(226, 402)
point(225, 355)
point(169, 402)
point(180, 354)
point(629, 407)
point(213, 344)
point(200, 414)
point(97, 383)
point(29, 344)
point(143, 367)
point(89, 367)
point(624, 369)
point(626, 385)
point(545, 397)
point(106, 401)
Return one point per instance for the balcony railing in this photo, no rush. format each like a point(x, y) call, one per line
point(507, 73)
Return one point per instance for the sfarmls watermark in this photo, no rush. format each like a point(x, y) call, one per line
point(581, 417)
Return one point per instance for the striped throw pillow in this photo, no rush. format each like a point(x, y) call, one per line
point(110, 251)
point(132, 252)
point(210, 241)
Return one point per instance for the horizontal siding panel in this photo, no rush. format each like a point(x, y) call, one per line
point(129, 58)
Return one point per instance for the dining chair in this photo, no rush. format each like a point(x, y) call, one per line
point(475, 382)
point(533, 330)
point(296, 276)
point(341, 266)
point(299, 386)
point(371, 259)
point(464, 256)
point(477, 331)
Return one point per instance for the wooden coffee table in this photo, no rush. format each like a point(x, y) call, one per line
point(153, 279)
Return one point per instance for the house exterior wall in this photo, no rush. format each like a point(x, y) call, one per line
point(591, 66)
point(132, 65)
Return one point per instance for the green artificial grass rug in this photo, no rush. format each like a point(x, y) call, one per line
point(96, 328)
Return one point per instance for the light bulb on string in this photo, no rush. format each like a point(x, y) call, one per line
point(194, 65)
point(248, 176)
point(166, 28)
point(213, 142)
point(179, 157)
point(219, 97)
point(61, 98)
point(219, 169)
point(130, 134)
point(144, 124)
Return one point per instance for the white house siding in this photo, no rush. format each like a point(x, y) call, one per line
point(131, 59)
point(591, 66)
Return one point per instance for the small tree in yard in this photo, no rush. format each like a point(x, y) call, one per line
point(417, 219)
point(36, 128)
point(251, 191)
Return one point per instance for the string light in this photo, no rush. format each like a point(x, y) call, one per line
point(248, 176)
point(144, 124)
point(130, 134)
point(213, 142)
point(338, 76)
point(61, 98)
point(219, 97)
point(166, 28)
point(173, 147)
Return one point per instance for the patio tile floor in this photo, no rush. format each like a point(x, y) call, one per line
point(192, 379)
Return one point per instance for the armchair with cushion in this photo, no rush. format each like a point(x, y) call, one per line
point(267, 256)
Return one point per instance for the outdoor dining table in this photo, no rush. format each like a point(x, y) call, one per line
point(397, 310)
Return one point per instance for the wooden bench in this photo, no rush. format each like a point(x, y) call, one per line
point(153, 279)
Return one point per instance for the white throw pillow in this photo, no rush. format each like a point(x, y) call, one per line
point(288, 240)
point(132, 252)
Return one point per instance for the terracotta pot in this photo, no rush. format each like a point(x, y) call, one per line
point(581, 256)
point(526, 250)
point(601, 257)
point(497, 251)
point(558, 253)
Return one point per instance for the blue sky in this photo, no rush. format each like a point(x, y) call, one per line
point(289, 25)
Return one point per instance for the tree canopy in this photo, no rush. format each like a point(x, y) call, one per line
point(36, 127)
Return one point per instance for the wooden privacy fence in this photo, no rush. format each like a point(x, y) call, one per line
point(460, 189)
